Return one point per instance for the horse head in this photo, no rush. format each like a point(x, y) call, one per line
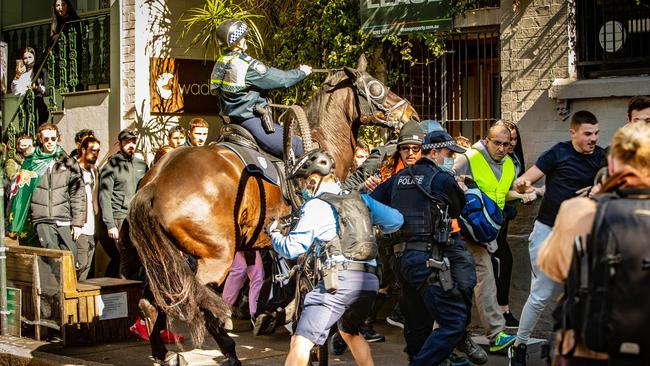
point(377, 104)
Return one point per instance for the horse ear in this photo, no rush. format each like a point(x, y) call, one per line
point(351, 73)
point(363, 63)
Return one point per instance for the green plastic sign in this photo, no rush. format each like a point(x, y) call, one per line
point(384, 17)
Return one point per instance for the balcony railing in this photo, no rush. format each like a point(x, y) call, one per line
point(612, 37)
point(75, 60)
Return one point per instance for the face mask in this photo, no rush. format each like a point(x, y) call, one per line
point(448, 164)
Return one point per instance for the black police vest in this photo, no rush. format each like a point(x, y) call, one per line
point(422, 216)
point(355, 238)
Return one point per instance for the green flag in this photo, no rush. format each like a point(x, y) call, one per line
point(24, 185)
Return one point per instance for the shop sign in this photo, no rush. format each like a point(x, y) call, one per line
point(384, 17)
point(180, 86)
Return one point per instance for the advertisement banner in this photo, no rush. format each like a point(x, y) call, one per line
point(384, 17)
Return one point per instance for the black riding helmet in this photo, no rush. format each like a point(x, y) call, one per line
point(230, 31)
point(315, 161)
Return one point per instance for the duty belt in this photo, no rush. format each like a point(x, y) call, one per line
point(353, 266)
point(419, 246)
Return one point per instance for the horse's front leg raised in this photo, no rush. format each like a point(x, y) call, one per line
point(226, 344)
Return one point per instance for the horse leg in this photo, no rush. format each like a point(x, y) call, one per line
point(158, 349)
point(226, 344)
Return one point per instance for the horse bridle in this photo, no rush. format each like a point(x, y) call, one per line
point(373, 102)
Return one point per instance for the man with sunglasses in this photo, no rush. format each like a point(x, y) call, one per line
point(488, 164)
point(49, 184)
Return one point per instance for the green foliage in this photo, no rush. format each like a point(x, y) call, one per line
point(205, 20)
point(320, 33)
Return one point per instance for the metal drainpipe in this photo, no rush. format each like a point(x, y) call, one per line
point(3, 259)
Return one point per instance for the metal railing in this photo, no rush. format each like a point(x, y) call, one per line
point(462, 88)
point(612, 37)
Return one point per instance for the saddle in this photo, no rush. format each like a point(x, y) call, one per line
point(257, 161)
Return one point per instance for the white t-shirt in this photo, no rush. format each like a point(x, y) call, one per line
point(89, 179)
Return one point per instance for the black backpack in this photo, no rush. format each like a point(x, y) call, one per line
point(356, 237)
point(607, 293)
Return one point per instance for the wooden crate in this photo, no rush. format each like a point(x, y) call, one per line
point(86, 312)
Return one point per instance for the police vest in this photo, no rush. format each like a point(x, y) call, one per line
point(355, 238)
point(230, 72)
point(487, 181)
point(422, 216)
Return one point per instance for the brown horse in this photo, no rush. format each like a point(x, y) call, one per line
point(201, 201)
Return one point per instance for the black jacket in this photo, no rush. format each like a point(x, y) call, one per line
point(117, 184)
point(59, 195)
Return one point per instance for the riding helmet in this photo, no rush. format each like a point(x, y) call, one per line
point(230, 31)
point(315, 161)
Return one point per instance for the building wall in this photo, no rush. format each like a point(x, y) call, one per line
point(152, 29)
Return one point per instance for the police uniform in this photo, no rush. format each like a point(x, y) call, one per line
point(423, 299)
point(350, 304)
point(240, 83)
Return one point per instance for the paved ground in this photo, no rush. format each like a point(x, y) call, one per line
point(264, 350)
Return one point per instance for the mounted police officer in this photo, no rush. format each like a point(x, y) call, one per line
point(435, 271)
point(241, 83)
point(340, 227)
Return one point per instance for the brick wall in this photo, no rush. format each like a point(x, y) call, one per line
point(128, 61)
point(534, 52)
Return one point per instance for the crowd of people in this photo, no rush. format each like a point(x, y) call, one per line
point(439, 255)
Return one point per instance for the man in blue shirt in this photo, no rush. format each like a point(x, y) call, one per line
point(241, 83)
point(569, 168)
point(320, 224)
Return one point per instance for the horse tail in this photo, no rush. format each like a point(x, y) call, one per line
point(170, 279)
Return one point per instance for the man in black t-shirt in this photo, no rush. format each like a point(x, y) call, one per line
point(569, 168)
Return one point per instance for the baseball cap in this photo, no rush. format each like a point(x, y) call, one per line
point(127, 134)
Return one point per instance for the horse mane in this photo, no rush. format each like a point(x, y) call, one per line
point(328, 114)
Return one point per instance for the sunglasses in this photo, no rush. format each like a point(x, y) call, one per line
point(48, 139)
point(415, 149)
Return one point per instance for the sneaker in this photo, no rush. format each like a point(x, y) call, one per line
point(395, 319)
point(476, 354)
point(517, 355)
point(337, 345)
point(454, 360)
point(502, 341)
point(169, 338)
point(140, 329)
point(511, 321)
point(371, 335)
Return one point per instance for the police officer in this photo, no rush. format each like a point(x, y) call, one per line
point(435, 271)
point(241, 83)
point(346, 249)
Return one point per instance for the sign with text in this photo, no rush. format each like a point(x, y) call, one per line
point(181, 86)
point(384, 17)
point(112, 306)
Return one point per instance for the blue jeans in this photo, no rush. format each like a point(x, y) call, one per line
point(543, 290)
point(423, 303)
point(271, 142)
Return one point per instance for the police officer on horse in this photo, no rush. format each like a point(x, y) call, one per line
point(241, 83)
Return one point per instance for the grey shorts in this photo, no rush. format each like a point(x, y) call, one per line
point(348, 307)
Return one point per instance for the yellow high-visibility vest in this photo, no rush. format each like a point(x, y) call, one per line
point(487, 181)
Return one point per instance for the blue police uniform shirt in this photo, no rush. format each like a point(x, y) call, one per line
point(241, 82)
point(318, 223)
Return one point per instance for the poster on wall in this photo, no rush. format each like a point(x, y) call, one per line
point(384, 17)
point(179, 86)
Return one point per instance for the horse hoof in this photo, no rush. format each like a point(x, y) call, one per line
point(231, 361)
point(171, 359)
